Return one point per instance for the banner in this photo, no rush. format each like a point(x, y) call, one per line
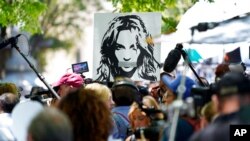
point(124, 46)
point(233, 56)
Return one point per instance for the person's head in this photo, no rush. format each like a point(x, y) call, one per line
point(103, 92)
point(125, 92)
point(207, 114)
point(163, 88)
point(127, 46)
point(7, 102)
point(172, 92)
point(50, 125)
point(89, 115)
point(8, 88)
point(69, 82)
point(138, 118)
point(150, 102)
point(229, 87)
point(220, 70)
point(237, 67)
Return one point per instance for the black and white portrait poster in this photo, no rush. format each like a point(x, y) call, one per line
point(124, 46)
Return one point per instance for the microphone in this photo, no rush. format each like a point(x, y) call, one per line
point(11, 40)
point(173, 58)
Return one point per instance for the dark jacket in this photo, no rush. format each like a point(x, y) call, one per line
point(219, 130)
point(183, 132)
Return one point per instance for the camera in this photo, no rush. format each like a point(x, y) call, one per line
point(154, 131)
point(39, 94)
point(202, 95)
point(151, 133)
point(80, 67)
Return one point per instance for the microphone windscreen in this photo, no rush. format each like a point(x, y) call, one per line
point(172, 60)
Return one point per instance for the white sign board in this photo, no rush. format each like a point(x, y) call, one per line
point(124, 46)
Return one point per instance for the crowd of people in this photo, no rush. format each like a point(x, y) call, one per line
point(125, 110)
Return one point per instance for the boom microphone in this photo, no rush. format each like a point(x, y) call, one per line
point(173, 58)
point(11, 40)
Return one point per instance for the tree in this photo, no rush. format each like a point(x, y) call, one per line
point(60, 28)
point(171, 9)
point(22, 13)
point(52, 24)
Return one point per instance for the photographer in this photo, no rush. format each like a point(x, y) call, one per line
point(171, 88)
point(227, 103)
point(158, 91)
point(185, 127)
point(124, 93)
point(141, 119)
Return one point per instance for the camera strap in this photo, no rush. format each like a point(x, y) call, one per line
point(123, 116)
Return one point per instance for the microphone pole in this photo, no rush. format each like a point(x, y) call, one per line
point(14, 44)
point(180, 91)
point(178, 103)
point(186, 59)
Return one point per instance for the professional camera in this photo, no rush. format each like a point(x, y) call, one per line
point(40, 94)
point(154, 131)
point(151, 133)
point(202, 95)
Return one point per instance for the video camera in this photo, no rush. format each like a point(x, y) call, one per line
point(154, 131)
point(40, 94)
point(151, 133)
point(202, 95)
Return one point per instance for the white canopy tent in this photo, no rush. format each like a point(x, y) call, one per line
point(227, 35)
point(219, 10)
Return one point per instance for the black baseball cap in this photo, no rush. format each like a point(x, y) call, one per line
point(233, 83)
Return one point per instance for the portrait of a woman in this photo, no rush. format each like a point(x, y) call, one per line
point(127, 49)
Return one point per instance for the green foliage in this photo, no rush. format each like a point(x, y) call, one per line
point(169, 25)
point(62, 25)
point(60, 20)
point(142, 5)
point(8, 88)
point(171, 9)
point(53, 24)
point(22, 13)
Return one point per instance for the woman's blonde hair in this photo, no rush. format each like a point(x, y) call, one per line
point(147, 101)
point(101, 90)
point(208, 111)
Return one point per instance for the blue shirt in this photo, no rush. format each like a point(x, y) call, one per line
point(121, 122)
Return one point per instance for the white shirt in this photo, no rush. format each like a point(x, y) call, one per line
point(6, 120)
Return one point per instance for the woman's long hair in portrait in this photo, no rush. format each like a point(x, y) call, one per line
point(146, 63)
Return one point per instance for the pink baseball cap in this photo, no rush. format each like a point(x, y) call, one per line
point(71, 79)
